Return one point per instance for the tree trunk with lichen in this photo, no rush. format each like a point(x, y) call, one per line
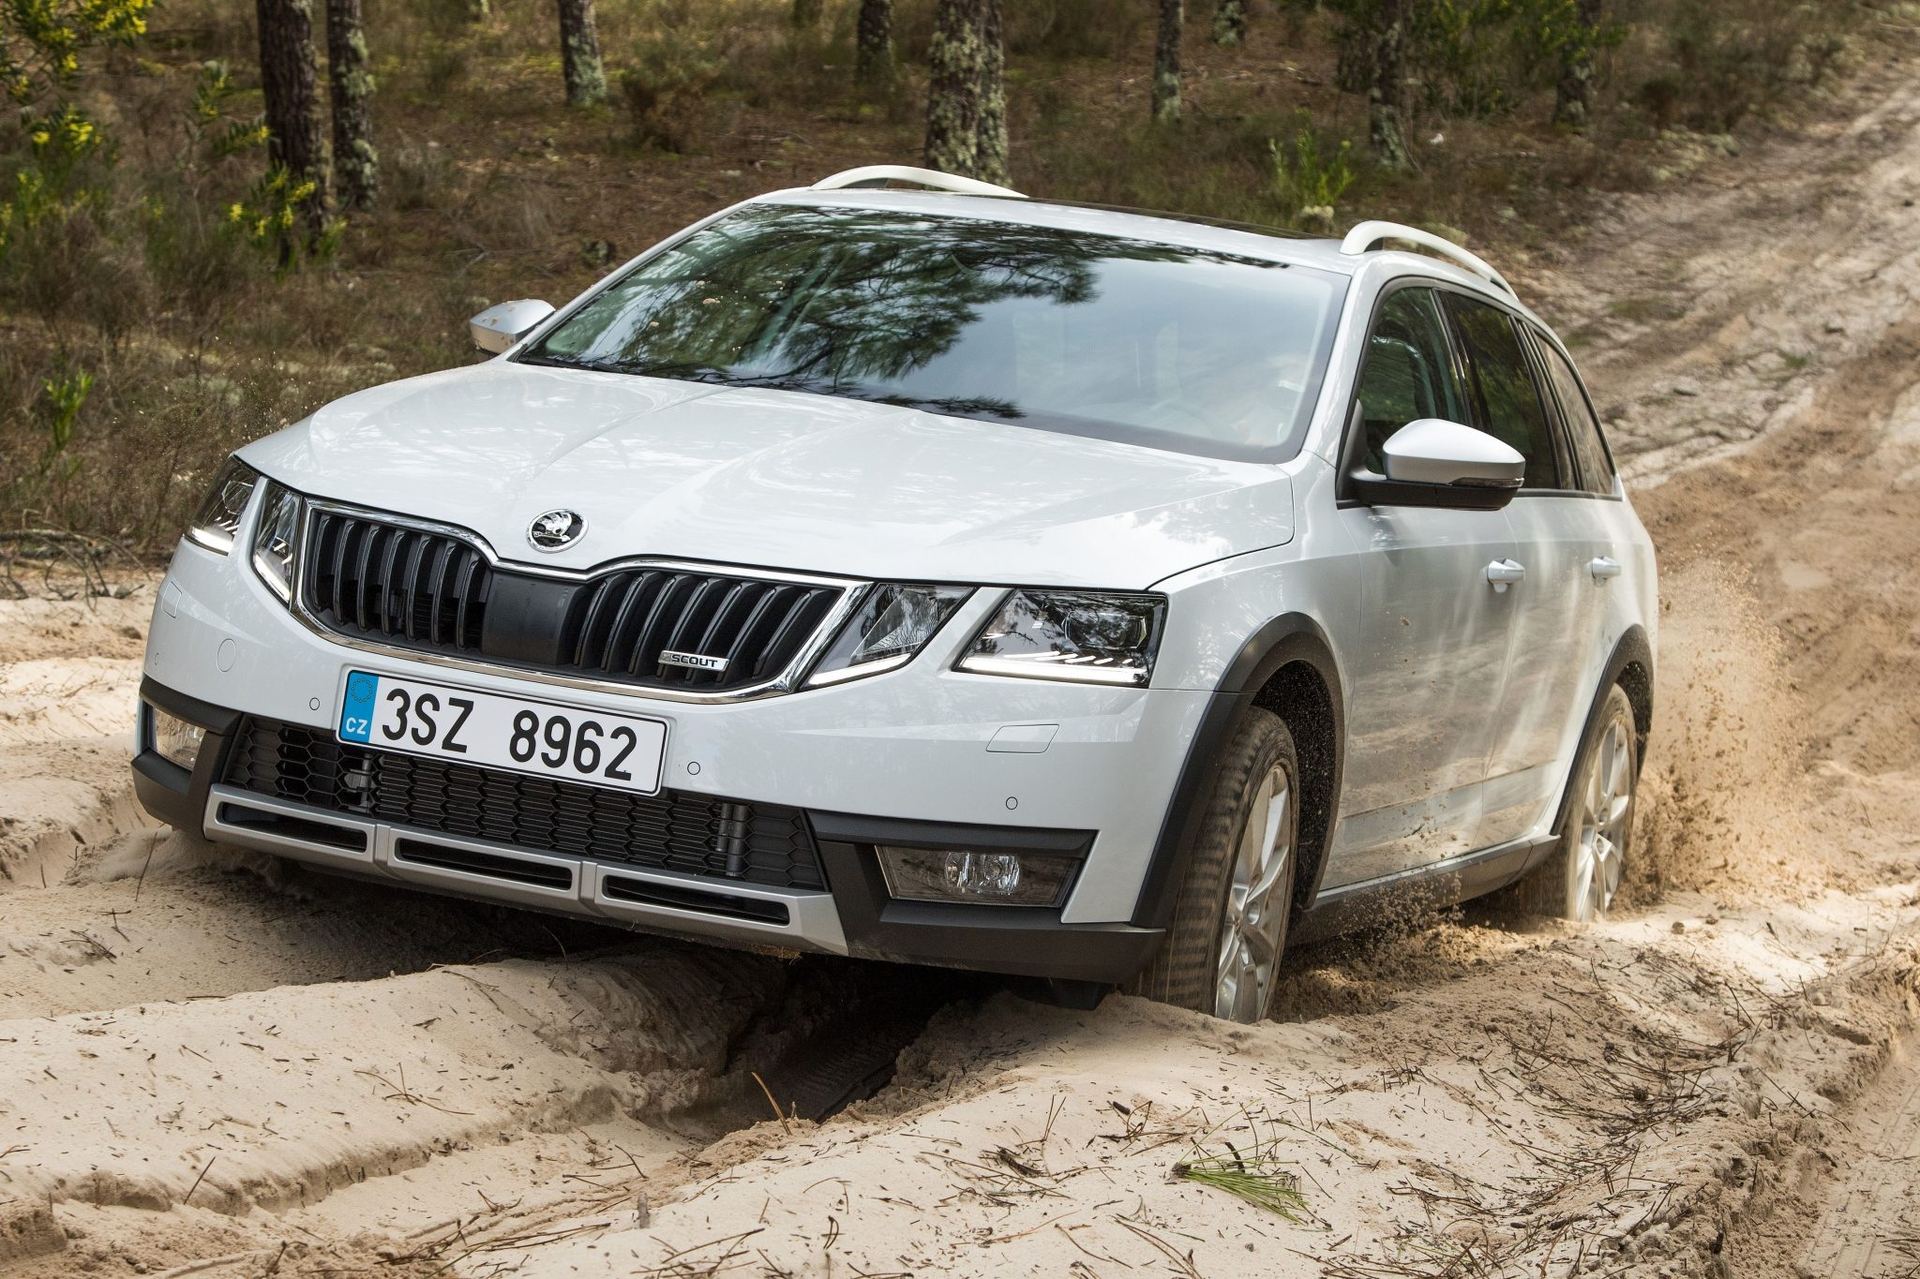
point(1387, 92)
point(990, 164)
point(356, 164)
point(1230, 22)
point(1573, 93)
point(287, 83)
point(1166, 62)
point(580, 54)
point(957, 56)
point(873, 60)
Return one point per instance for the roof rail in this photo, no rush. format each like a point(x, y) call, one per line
point(1364, 237)
point(874, 175)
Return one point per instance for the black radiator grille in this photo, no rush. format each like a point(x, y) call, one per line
point(621, 624)
point(367, 578)
point(401, 585)
point(755, 843)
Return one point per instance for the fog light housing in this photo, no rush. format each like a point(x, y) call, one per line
point(981, 876)
point(174, 739)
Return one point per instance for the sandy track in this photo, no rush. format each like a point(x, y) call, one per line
point(208, 1054)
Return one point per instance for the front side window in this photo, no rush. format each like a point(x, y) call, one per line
point(1583, 428)
point(1153, 344)
point(1514, 411)
point(1408, 372)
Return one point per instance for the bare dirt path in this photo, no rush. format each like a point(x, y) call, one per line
point(216, 1067)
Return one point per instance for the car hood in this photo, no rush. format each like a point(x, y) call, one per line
point(774, 479)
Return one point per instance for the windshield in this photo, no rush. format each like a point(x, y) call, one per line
point(1154, 344)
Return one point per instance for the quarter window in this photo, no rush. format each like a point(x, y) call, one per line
point(1514, 410)
point(1589, 449)
point(1408, 374)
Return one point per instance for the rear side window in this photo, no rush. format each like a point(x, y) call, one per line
point(1409, 371)
point(1514, 410)
point(1583, 428)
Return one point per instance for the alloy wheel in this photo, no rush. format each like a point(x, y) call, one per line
point(1254, 927)
point(1606, 808)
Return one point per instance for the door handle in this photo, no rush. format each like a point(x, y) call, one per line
point(1504, 573)
point(1603, 567)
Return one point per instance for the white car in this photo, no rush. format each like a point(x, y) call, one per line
point(942, 576)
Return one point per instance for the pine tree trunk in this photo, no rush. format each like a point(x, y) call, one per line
point(806, 14)
point(953, 90)
point(1573, 95)
point(990, 165)
point(1230, 22)
point(356, 165)
point(1385, 94)
point(1166, 62)
point(287, 82)
point(580, 54)
point(874, 57)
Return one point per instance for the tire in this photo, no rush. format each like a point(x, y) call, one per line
point(1579, 880)
point(1252, 819)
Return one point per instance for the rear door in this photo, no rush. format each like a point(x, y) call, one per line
point(1554, 628)
point(1427, 640)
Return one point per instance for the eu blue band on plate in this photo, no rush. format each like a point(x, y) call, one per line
point(356, 712)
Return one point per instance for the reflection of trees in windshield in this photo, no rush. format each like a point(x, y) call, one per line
point(935, 313)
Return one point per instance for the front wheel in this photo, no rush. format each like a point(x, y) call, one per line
point(1223, 950)
point(1581, 877)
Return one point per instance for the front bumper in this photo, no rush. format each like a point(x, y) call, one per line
point(907, 757)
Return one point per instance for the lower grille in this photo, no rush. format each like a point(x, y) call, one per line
point(724, 839)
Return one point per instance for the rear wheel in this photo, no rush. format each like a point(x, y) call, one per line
point(1582, 876)
point(1223, 950)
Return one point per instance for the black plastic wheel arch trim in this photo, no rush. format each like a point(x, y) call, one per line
point(1289, 638)
point(1632, 649)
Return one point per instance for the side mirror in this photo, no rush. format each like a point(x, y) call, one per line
point(500, 326)
point(1433, 462)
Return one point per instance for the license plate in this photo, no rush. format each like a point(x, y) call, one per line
point(471, 727)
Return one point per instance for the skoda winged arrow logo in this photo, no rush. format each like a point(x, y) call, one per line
point(556, 530)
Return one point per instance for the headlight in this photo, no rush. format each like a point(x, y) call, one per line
point(276, 539)
point(219, 517)
point(892, 624)
point(1093, 638)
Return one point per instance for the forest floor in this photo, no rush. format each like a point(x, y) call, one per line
point(218, 1066)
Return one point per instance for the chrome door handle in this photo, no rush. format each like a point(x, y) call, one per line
point(1603, 567)
point(1504, 573)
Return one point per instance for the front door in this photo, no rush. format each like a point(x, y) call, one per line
point(1428, 638)
point(1557, 612)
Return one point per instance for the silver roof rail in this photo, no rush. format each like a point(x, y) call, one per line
point(1364, 237)
point(874, 175)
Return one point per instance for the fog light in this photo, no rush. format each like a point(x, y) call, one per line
point(175, 739)
point(966, 875)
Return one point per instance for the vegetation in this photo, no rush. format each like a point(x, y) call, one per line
point(201, 239)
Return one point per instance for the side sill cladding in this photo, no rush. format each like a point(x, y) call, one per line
point(1287, 639)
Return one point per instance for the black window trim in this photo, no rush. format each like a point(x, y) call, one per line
point(1563, 453)
point(1350, 439)
point(1544, 342)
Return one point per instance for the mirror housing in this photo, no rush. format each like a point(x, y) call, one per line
point(501, 325)
point(1434, 462)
